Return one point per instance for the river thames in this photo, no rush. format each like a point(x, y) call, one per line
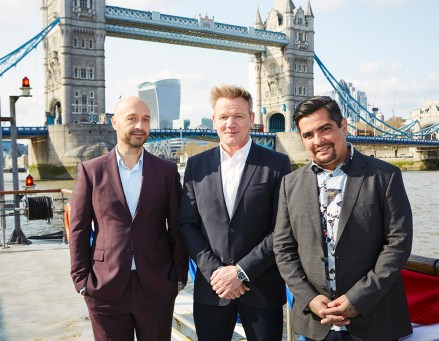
point(422, 189)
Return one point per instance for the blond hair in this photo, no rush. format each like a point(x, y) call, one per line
point(230, 91)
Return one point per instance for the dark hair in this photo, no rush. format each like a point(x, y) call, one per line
point(313, 104)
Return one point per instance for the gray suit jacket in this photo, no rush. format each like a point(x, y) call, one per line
point(214, 239)
point(374, 241)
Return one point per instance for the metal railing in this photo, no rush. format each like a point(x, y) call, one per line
point(27, 202)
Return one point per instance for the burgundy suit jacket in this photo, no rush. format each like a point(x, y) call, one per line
point(152, 236)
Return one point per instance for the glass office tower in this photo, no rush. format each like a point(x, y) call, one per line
point(163, 97)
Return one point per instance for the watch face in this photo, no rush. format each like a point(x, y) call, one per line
point(241, 276)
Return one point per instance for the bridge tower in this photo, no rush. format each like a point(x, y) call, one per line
point(284, 76)
point(74, 61)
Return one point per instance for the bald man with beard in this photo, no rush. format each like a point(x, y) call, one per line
point(136, 264)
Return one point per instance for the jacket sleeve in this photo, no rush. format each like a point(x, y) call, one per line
point(80, 229)
point(179, 257)
point(285, 248)
point(366, 294)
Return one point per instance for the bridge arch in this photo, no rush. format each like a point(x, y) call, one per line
point(54, 116)
point(276, 122)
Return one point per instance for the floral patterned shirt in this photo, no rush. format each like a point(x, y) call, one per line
point(331, 185)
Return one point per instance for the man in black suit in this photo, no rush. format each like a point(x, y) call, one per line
point(227, 217)
point(343, 233)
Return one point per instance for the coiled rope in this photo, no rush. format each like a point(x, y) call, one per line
point(39, 208)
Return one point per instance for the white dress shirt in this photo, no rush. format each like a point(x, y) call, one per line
point(131, 183)
point(231, 172)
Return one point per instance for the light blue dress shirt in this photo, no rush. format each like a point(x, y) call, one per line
point(131, 183)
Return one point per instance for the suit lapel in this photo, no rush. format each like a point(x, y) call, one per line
point(310, 188)
point(351, 191)
point(250, 166)
point(113, 171)
point(148, 173)
point(215, 167)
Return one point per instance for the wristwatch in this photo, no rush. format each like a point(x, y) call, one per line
point(241, 274)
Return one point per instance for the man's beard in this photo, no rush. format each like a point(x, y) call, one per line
point(133, 141)
point(327, 158)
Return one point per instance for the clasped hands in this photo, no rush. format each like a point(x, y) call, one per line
point(226, 284)
point(337, 312)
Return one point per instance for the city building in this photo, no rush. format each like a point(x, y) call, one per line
point(163, 97)
point(358, 95)
point(194, 123)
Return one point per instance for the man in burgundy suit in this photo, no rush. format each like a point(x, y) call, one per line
point(132, 271)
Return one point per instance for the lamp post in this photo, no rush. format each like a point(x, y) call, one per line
point(17, 235)
point(2, 187)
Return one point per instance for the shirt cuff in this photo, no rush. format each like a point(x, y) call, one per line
point(246, 277)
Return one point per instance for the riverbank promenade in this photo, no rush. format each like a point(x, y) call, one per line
point(38, 301)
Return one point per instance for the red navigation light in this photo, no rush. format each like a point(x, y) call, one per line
point(25, 87)
point(25, 83)
point(30, 181)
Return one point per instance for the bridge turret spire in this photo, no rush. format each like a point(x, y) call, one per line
point(308, 11)
point(284, 6)
point(258, 21)
point(289, 6)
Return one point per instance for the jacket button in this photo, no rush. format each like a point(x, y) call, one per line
point(231, 230)
point(231, 261)
point(129, 251)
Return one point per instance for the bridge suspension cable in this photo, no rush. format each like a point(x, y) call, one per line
point(353, 104)
point(13, 58)
point(370, 119)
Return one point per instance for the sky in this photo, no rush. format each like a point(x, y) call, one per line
point(388, 48)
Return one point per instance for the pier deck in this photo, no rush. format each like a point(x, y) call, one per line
point(38, 301)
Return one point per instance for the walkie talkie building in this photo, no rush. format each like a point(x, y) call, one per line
point(163, 97)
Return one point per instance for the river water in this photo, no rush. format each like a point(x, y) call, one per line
point(422, 189)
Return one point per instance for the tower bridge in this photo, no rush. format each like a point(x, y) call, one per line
point(282, 66)
point(282, 48)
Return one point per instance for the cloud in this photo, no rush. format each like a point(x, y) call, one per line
point(380, 69)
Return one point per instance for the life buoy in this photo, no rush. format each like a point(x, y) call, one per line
point(67, 208)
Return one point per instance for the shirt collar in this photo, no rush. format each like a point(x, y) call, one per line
point(239, 154)
point(344, 166)
point(121, 163)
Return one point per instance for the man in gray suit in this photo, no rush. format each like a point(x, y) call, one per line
point(343, 233)
point(227, 215)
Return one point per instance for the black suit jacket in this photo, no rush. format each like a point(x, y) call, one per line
point(214, 239)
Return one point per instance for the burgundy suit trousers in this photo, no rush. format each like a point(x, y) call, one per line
point(149, 318)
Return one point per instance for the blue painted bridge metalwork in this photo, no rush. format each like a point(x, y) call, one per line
point(202, 32)
point(267, 140)
point(25, 132)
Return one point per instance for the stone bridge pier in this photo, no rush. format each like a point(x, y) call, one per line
point(57, 155)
